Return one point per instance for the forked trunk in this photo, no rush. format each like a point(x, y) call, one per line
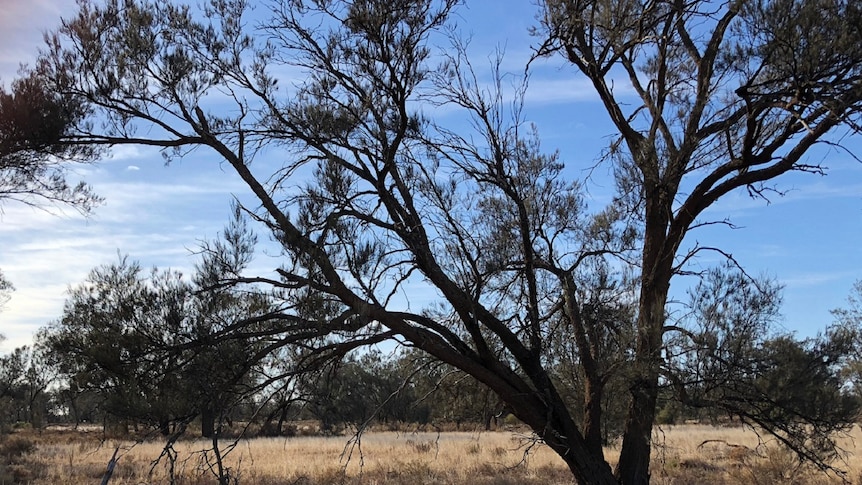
point(587, 468)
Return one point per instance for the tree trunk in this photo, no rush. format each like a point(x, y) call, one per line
point(586, 468)
point(36, 413)
point(593, 416)
point(114, 426)
point(282, 417)
point(634, 463)
point(207, 421)
point(633, 467)
point(562, 435)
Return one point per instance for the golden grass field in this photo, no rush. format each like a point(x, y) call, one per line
point(684, 454)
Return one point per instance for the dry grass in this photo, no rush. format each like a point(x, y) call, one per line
point(696, 454)
point(690, 454)
point(391, 458)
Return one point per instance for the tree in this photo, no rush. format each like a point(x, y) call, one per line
point(34, 158)
point(848, 326)
point(730, 96)
point(348, 393)
point(104, 342)
point(726, 358)
point(229, 330)
point(375, 199)
point(160, 349)
point(451, 396)
point(24, 379)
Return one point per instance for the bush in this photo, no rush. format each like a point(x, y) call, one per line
point(14, 447)
point(12, 451)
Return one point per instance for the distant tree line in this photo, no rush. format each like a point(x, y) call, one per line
point(155, 352)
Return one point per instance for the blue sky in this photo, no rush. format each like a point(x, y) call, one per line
point(808, 240)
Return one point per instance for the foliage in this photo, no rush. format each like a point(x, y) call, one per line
point(728, 360)
point(108, 336)
point(25, 375)
point(362, 390)
point(34, 159)
point(729, 96)
point(376, 199)
point(159, 349)
point(848, 327)
point(34, 156)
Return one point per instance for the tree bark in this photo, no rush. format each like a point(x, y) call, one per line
point(633, 467)
point(586, 468)
point(207, 421)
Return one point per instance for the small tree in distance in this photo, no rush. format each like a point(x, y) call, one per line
point(375, 198)
point(848, 326)
point(161, 350)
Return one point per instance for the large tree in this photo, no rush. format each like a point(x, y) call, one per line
point(731, 95)
point(372, 199)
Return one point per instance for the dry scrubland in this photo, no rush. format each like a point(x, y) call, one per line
point(685, 454)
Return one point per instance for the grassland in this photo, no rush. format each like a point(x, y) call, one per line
point(685, 454)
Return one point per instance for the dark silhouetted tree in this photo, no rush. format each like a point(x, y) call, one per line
point(34, 157)
point(25, 375)
point(727, 96)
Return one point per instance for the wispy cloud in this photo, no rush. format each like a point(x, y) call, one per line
point(802, 280)
point(157, 222)
point(821, 189)
point(573, 89)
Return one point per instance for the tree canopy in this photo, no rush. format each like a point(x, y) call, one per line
point(34, 155)
point(375, 198)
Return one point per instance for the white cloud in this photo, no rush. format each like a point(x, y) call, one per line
point(158, 222)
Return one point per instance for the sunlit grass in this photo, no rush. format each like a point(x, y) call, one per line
point(683, 454)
